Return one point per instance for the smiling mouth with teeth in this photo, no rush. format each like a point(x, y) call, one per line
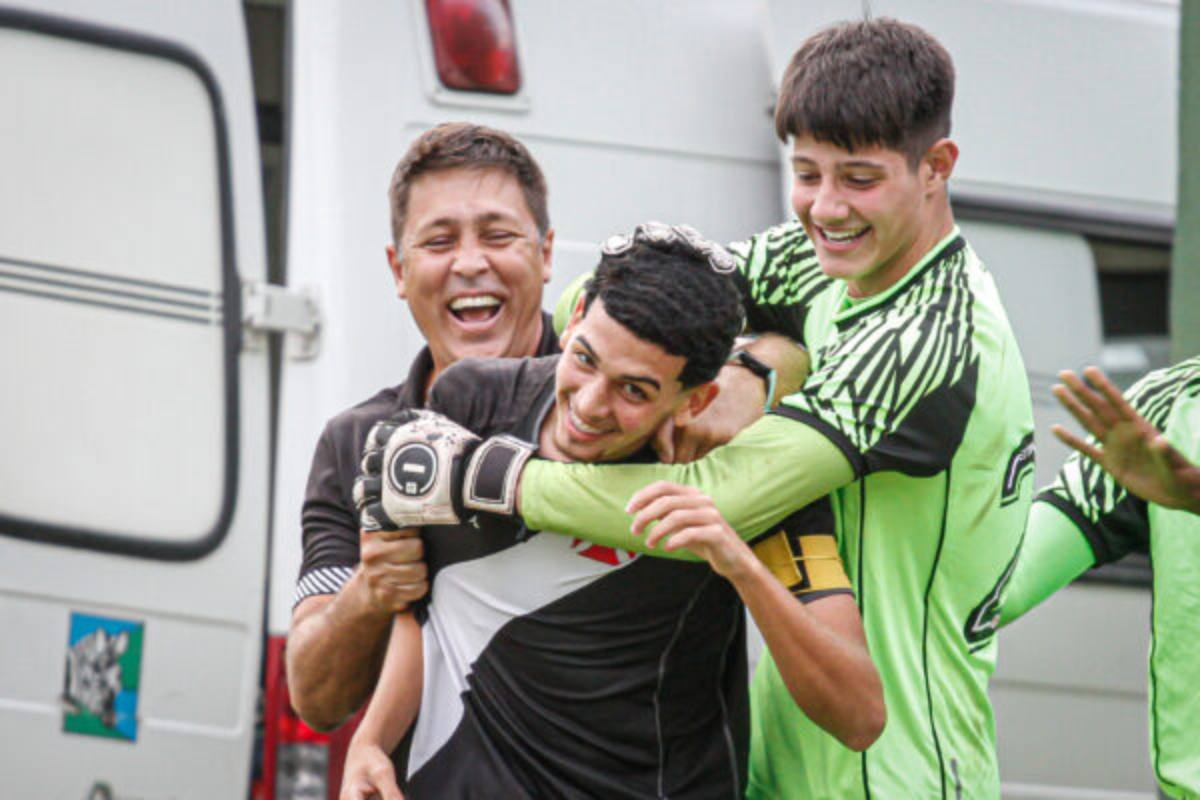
point(839, 237)
point(582, 426)
point(477, 308)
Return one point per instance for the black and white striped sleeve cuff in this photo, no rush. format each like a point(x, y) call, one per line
point(323, 580)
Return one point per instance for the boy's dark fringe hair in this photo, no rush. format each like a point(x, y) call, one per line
point(871, 82)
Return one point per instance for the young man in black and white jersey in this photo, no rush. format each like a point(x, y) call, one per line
point(556, 668)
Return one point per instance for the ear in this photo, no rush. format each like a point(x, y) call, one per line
point(940, 159)
point(576, 316)
point(547, 246)
point(397, 268)
point(698, 398)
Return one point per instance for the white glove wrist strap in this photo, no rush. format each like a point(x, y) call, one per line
point(490, 480)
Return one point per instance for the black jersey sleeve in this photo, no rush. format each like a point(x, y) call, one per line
point(328, 522)
point(1113, 529)
point(494, 395)
point(460, 394)
point(802, 553)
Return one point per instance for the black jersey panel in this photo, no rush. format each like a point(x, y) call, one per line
point(926, 440)
point(633, 686)
point(490, 396)
point(468, 768)
point(816, 517)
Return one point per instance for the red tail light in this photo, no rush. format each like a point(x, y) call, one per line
point(298, 763)
point(474, 45)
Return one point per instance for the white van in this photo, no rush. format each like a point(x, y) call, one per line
point(179, 180)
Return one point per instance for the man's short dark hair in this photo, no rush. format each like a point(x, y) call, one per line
point(462, 145)
point(669, 295)
point(876, 82)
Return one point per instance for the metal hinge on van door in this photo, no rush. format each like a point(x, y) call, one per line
point(269, 308)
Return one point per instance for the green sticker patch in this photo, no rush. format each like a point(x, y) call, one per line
point(102, 677)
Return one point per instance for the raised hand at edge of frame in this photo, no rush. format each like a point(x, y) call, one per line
point(1127, 446)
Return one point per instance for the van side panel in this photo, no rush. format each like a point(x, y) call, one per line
point(133, 524)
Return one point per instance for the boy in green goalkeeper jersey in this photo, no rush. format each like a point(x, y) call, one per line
point(1135, 492)
point(916, 418)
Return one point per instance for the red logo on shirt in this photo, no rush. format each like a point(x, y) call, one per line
point(605, 555)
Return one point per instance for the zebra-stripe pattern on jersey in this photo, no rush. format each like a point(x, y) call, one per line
point(881, 364)
point(779, 277)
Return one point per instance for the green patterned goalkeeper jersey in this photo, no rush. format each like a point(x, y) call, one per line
point(917, 418)
point(1084, 499)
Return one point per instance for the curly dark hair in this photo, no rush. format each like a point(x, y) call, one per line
point(869, 82)
point(668, 294)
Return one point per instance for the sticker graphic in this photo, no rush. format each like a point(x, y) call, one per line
point(602, 553)
point(104, 668)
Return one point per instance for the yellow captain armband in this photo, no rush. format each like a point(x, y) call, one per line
point(807, 564)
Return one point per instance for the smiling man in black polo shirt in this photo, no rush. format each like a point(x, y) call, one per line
point(471, 252)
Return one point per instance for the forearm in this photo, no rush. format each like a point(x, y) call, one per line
point(769, 470)
point(789, 360)
point(1053, 554)
point(823, 659)
point(397, 696)
point(334, 651)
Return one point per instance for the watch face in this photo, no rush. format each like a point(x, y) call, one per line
point(753, 364)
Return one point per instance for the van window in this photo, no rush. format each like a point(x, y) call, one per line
point(117, 414)
point(1134, 298)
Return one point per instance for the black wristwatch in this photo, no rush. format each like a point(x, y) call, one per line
point(746, 359)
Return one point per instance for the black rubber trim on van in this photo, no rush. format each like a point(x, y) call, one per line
point(68, 536)
point(1137, 229)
